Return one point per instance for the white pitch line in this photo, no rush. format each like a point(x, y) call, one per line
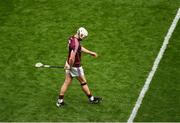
point(154, 68)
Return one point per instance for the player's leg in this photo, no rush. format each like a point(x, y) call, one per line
point(64, 87)
point(87, 91)
point(84, 85)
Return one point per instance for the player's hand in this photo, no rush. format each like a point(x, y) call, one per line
point(67, 66)
point(94, 54)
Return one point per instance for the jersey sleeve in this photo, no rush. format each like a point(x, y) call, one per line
point(75, 45)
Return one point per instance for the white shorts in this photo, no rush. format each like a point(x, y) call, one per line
point(75, 71)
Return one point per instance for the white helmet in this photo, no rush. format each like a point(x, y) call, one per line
point(82, 31)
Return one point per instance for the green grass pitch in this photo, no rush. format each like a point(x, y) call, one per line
point(127, 35)
point(163, 101)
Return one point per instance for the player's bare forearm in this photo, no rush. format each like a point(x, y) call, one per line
point(72, 58)
point(89, 52)
point(71, 62)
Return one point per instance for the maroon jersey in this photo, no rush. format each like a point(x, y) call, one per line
point(74, 44)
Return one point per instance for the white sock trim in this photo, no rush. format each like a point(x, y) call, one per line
point(60, 100)
point(92, 98)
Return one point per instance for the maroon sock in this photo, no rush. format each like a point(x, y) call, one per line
point(61, 96)
point(90, 95)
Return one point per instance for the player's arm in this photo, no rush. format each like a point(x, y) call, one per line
point(88, 51)
point(72, 58)
point(73, 53)
point(70, 63)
